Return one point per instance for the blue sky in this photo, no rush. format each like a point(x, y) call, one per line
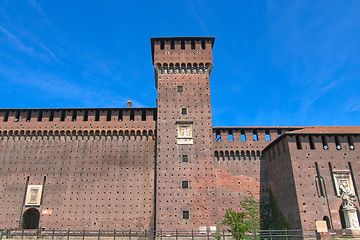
point(276, 63)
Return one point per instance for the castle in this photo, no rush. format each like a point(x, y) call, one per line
point(168, 167)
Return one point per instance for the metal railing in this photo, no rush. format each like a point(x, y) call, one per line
point(155, 235)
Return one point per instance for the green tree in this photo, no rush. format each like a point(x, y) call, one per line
point(241, 222)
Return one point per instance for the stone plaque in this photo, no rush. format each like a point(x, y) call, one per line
point(321, 227)
point(33, 195)
point(184, 133)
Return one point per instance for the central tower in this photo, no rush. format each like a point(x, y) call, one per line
point(185, 181)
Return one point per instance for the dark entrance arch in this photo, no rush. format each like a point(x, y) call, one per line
point(31, 219)
point(327, 220)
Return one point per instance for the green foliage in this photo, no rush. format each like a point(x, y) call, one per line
point(242, 222)
point(217, 234)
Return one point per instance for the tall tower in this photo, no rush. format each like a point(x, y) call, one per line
point(185, 181)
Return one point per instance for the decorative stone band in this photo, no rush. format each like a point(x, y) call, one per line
point(183, 69)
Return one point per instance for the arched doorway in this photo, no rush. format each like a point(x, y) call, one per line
point(327, 220)
point(31, 219)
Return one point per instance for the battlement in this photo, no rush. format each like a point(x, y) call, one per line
point(78, 118)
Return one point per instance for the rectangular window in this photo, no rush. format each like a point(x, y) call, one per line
point(183, 44)
point(40, 116)
point(218, 136)
point(132, 115)
point(243, 136)
point(6, 116)
point(192, 44)
point(74, 116)
point(28, 117)
point(183, 111)
point(255, 136)
point(267, 136)
point(108, 116)
point(203, 46)
point(62, 118)
point(185, 158)
point(143, 115)
point(351, 143)
point(311, 142)
point(17, 116)
point(231, 136)
point(97, 115)
point(186, 214)
point(180, 88)
point(162, 45)
point(120, 117)
point(86, 115)
point(337, 143)
point(279, 132)
point(298, 143)
point(172, 43)
point(324, 142)
point(184, 184)
point(51, 118)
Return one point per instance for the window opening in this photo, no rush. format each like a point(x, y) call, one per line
point(186, 214)
point(311, 142)
point(17, 116)
point(243, 136)
point(162, 45)
point(51, 118)
point(203, 46)
point(337, 143)
point(143, 115)
point(154, 115)
point(97, 115)
point(120, 117)
point(28, 117)
point(267, 136)
point(279, 132)
point(185, 158)
point(298, 143)
point(351, 143)
point(218, 136)
point(182, 44)
point(172, 43)
point(324, 142)
point(132, 115)
point(74, 115)
point(6, 116)
point(180, 88)
point(108, 116)
point(184, 184)
point(183, 111)
point(31, 219)
point(255, 136)
point(40, 116)
point(192, 44)
point(86, 115)
point(62, 118)
point(231, 136)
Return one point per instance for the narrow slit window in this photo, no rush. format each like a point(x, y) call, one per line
point(120, 117)
point(267, 136)
point(154, 115)
point(132, 115)
point(108, 116)
point(86, 115)
point(74, 116)
point(162, 45)
point(51, 118)
point(143, 115)
point(183, 44)
point(184, 184)
point(311, 142)
point(231, 136)
point(28, 117)
point(6, 116)
point(172, 45)
point(298, 143)
point(185, 158)
point(186, 215)
point(255, 136)
point(243, 136)
point(40, 116)
point(337, 143)
point(62, 118)
point(203, 46)
point(97, 115)
point(17, 116)
point(218, 136)
point(324, 142)
point(192, 44)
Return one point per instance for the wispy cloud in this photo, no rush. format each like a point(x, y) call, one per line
point(17, 43)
